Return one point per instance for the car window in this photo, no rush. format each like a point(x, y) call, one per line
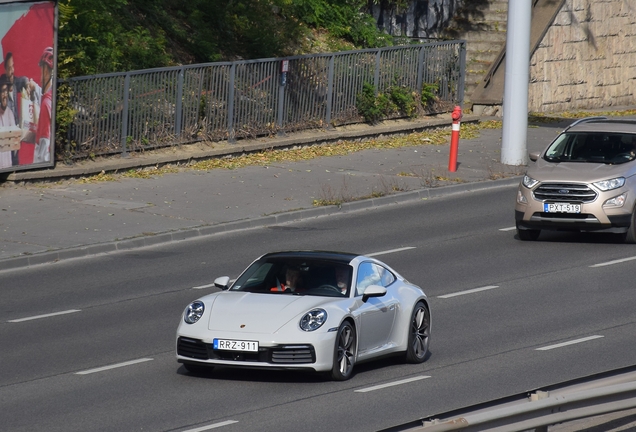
point(296, 276)
point(592, 147)
point(372, 274)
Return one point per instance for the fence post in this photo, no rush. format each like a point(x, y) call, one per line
point(124, 120)
point(376, 75)
point(230, 106)
point(462, 74)
point(330, 73)
point(179, 106)
point(420, 69)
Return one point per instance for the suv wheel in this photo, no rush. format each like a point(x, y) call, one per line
point(630, 235)
point(529, 234)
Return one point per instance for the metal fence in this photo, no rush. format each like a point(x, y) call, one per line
point(132, 111)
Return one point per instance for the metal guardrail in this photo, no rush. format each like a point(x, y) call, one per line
point(132, 111)
point(541, 408)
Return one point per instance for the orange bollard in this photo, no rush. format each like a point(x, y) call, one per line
point(452, 160)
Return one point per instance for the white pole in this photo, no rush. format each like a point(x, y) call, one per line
point(517, 76)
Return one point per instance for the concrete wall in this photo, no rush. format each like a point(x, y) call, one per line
point(587, 58)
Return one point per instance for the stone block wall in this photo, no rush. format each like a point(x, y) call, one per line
point(587, 58)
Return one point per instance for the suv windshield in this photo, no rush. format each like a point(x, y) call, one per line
point(592, 147)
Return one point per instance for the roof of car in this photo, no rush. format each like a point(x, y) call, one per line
point(603, 124)
point(344, 257)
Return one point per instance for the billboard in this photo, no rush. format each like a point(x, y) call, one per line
point(27, 83)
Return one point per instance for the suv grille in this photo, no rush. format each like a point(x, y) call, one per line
point(570, 192)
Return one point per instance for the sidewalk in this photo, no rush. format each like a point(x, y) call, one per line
point(47, 216)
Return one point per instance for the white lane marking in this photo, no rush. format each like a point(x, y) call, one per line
point(212, 426)
point(508, 229)
point(45, 315)
point(569, 343)
point(203, 286)
point(470, 291)
point(118, 365)
point(391, 384)
point(614, 262)
point(390, 251)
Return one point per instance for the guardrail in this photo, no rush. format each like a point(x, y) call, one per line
point(132, 111)
point(541, 408)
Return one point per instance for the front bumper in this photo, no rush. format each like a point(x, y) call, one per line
point(593, 216)
point(315, 353)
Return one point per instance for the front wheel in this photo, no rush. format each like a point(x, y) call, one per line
point(419, 334)
point(630, 235)
point(528, 234)
point(344, 352)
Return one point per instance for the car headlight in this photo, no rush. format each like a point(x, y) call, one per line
point(606, 185)
point(529, 182)
point(313, 319)
point(193, 312)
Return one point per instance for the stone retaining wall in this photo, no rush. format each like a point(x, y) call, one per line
point(587, 58)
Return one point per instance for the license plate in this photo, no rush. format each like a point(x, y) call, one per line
point(234, 345)
point(561, 208)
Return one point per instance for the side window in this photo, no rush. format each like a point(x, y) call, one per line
point(372, 274)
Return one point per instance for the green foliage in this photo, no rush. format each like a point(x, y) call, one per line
point(429, 93)
point(64, 115)
point(403, 98)
point(396, 100)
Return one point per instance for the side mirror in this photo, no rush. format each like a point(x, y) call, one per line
point(222, 282)
point(534, 156)
point(373, 291)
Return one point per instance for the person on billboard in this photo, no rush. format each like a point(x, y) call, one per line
point(43, 133)
point(17, 86)
point(6, 118)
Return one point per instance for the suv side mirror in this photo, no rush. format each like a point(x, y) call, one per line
point(534, 156)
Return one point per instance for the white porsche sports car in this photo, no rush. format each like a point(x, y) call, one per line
point(314, 310)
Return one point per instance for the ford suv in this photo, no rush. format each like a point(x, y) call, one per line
point(585, 180)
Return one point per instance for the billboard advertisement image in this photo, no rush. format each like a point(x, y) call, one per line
point(27, 83)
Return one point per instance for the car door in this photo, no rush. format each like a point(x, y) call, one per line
point(377, 315)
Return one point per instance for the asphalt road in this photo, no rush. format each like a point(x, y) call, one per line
point(502, 311)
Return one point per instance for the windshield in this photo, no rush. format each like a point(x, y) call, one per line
point(291, 276)
point(592, 147)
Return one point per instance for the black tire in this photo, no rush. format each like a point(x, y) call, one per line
point(630, 235)
point(344, 354)
point(197, 369)
point(528, 234)
point(419, 334)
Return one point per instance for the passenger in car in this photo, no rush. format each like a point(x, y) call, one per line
point(292, 283)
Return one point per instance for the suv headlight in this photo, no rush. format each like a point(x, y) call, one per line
point(529, 182)
point(193, 312)
point(313, 320)
point(606, 185)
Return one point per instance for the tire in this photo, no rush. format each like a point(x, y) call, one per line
point(630, 235)
point(344, 354)
point(197, 369)
point(528, 235)
point(419, 334)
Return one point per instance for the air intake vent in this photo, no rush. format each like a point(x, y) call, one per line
point(192, 348)
point(294, 354)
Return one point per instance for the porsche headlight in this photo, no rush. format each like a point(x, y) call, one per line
point(529, 182)
point(313, 319)
point(606, 185)
point(193, 312)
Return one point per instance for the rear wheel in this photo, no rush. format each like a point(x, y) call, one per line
point(419, 334)
point(344, 352)
point(528, 234)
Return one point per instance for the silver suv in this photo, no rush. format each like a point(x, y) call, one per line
point(584, 181)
